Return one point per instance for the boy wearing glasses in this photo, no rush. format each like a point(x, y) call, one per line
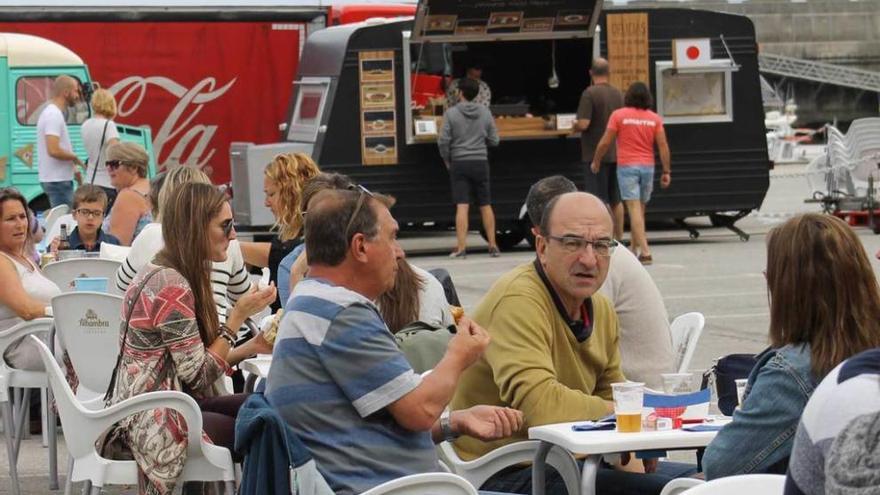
point(89, 202)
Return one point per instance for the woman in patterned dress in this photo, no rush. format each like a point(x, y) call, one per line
point(174, 341)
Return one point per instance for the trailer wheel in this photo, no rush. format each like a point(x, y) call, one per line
point(507, 235)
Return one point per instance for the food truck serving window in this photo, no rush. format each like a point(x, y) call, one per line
point(695, 95)
point(309, 109)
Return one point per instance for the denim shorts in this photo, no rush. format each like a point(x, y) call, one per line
point(636, 182)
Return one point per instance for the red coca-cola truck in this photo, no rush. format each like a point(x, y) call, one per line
point(200, 74)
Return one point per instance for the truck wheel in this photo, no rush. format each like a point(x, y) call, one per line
point(507, 235)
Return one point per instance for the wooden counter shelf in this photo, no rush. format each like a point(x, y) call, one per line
point(510, 129)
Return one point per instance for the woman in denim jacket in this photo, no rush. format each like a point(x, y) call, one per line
point(824, 308)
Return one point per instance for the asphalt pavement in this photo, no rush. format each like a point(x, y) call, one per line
point(717, 274)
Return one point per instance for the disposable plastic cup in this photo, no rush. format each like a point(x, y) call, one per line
point(678, 383)
point(69, 254)
point(629, 398)
point(741, 389)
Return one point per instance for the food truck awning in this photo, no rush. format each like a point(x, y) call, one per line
point(495, 20)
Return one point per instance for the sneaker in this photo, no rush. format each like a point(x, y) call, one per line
point(494, 252)
point(458, 254)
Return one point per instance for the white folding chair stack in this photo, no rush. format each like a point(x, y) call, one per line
point(686, 331)
point(83, 427)
point(63, 273)
point(15, 409)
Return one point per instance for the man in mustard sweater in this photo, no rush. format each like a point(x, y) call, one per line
point(554, 351)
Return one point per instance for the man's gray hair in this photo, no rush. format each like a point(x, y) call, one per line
point(542, 192)
point(327, 241)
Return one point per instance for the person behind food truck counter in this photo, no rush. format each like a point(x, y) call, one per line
point(474, 72)
point(467, 131)
point(597, 103)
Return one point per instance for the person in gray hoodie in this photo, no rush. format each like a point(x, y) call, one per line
point(467, 131)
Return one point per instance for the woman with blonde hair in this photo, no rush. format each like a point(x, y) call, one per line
point(98, 133)
point(824, 308)
point(172, 338)
point(127, 165)
point(283, 183)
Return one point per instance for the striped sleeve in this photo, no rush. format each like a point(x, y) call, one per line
point(239, 281)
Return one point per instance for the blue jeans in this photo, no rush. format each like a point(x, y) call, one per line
point(608, 480)
point(636, 182)
point(59, 193)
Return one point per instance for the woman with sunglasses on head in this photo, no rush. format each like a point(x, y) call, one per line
point(228, 277)
point(127, 165)
point(173, 339)
point(25, 293)
point(824, 308)
point(283, 182)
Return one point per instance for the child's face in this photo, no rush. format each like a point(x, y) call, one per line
point(89, 216)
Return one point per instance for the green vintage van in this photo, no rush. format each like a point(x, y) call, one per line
point(28, 65)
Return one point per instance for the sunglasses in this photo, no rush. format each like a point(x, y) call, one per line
point(114, 164)
point(228, 227)
point(364, 192)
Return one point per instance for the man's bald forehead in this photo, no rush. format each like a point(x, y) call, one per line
point(578, 204)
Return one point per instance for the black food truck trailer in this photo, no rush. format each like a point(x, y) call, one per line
point(368, 103)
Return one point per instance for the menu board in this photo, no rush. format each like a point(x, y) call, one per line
point(627, 36)
point(446, 20)
point(378, 129)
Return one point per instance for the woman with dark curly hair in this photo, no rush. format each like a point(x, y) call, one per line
point(636, 129)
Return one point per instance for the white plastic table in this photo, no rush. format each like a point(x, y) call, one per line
point(593, 444)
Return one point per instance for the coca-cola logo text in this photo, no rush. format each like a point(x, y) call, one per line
point(177, 134)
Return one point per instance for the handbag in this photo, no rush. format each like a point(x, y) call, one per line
point(724, 373)
point(100, 150)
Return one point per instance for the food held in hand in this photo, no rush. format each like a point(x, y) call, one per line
point(269, 326)
point(457, 313)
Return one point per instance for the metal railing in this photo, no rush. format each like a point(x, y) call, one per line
point(819, 71)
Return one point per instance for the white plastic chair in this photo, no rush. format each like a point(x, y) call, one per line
point(478, 471)
point(679, 485)
point(64, 272)
point(54, 214)
point(753, 484)
point(54, 230)
point(686, 330)
point(15, 413)
point(83, 427)
point(425, 484)
point(87, 327)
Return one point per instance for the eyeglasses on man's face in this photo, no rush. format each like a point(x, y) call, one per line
point(364, 192)
point(84, 212)
point(573, 244)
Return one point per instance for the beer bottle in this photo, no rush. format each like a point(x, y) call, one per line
point(63, 240)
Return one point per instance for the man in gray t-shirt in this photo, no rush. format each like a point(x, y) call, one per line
point(597, 103)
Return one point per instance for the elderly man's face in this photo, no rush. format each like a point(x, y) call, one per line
point(575, 275)
point(383, 250)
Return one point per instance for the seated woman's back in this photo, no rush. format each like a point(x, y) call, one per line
point(824, 307)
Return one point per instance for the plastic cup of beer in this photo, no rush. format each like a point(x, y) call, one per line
point(677, 383)
point(741, 389)
point(628, 400)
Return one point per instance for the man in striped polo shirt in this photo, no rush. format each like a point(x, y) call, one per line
point(337, 375)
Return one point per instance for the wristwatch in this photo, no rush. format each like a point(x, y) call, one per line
point(446, 427)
